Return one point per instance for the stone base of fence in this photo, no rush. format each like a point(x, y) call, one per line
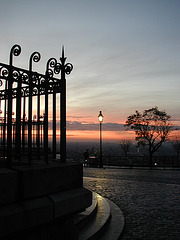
point(38, 201)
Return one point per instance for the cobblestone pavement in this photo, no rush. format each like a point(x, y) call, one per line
point(149, 199)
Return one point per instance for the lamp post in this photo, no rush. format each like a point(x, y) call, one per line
point(100, 118)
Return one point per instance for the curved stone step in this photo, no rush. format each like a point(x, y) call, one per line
point(84, 217)
point(116, 224)
point(94, 228)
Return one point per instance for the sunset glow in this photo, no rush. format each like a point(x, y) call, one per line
point(125, 57)
point(93, 136)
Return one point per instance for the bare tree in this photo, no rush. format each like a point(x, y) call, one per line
point(151, 127)
point(125, 145)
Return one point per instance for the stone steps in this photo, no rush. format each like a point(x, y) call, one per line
point(116, 224)
point(84, 217)
point(103, 220)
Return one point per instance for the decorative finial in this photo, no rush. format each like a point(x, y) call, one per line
point(63, 59)
point(63, 51)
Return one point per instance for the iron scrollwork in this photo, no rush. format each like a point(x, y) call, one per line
point(21, 84)
point(51, 64)
point(16, 51)
point(4, 72)
point(68, 68)
point(35, 57)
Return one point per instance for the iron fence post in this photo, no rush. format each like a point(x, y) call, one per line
point(63, 110)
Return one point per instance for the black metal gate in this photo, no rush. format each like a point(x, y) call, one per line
point(24, 135)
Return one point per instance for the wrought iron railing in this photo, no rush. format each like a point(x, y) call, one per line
point(19, 89)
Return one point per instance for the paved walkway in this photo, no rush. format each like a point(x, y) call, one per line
point(149, 199)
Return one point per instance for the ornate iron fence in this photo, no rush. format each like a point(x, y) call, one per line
point(19, 89)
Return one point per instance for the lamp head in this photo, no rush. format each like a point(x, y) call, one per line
point(100, 116)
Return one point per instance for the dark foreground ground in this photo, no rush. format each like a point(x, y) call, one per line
point(149, 199)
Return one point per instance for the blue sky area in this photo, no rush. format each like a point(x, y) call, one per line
point(126, 53)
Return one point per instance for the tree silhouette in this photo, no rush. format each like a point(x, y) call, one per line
point(151, 128)
point(125, 145)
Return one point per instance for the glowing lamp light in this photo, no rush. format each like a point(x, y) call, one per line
point(100, 116)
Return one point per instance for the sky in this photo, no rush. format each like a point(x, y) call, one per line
point(125, 53)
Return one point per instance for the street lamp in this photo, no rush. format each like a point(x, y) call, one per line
point(100, 118)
